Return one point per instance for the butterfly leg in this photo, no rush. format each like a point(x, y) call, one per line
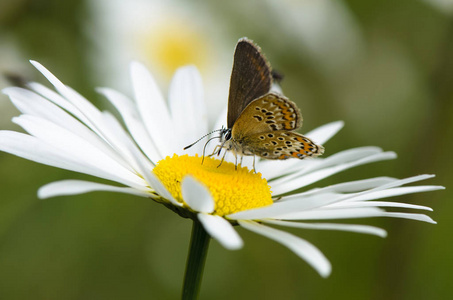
point(204, 149)
point(254, 164)
point(210, 155)
point(215, 151)
point(223, 157)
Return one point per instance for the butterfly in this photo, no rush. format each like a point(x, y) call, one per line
point(261, 123)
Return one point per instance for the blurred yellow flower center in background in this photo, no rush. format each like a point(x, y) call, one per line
point(232, 190)
point(171, 45)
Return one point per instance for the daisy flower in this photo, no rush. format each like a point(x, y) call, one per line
point(144, 154)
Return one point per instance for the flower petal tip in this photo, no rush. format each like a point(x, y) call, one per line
point(7, 91)
point(383, 234)
point(339, 123)
point(326, 273)
point(137, 66)
point(42, 193)
point(236, 245)
point(429, 220)
point(392, 155)
point(41, 197)
point(189, 68)
point(37, 65)
point(196, 195)
point(100, 89)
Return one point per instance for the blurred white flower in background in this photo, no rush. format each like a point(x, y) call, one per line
point(163, 35)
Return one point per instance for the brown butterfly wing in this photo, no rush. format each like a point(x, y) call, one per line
point(251, 78)
point(280, 144)
point(270, 112)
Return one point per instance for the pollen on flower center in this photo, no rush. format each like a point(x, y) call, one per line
point(232, 190)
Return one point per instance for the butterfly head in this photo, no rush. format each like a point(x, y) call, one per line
point(225, 134)
point(225, 140)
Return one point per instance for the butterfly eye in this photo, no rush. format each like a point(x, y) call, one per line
point(228, 135)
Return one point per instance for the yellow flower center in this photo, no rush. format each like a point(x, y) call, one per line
point(232, 190)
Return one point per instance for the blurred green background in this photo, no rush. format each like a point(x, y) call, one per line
point(384, 67)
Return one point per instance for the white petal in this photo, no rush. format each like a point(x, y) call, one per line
point(397, 192)
point(377, 192)
point(219, 124)
point(272, 169)
point(283, 208)
point(345, 187)
point(29, 147)
point(196, 195)
point(286, 185)
point(94, 118)
point(222, 119)
point(58, 100)
point(324, 133)
point(133, 122)
point(344, 213)
point(341, 213)
point(324, 214)
point(331, 226)
point(153, 109)
point(91, 114)
point(141, 164)
point(377, 204)
point(417, 217)
point(221, 230)
point(124, 145)
point(347, 156)
point(120, 141)
point(300, 247)
point(160, 189)
point(75, 187)
point(359, 185)
point(187, 108)
point(73, 145)
point(32, 104)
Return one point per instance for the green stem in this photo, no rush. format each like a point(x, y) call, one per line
point(199, 243)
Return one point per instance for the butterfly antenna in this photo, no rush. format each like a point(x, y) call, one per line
point(187, 147)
